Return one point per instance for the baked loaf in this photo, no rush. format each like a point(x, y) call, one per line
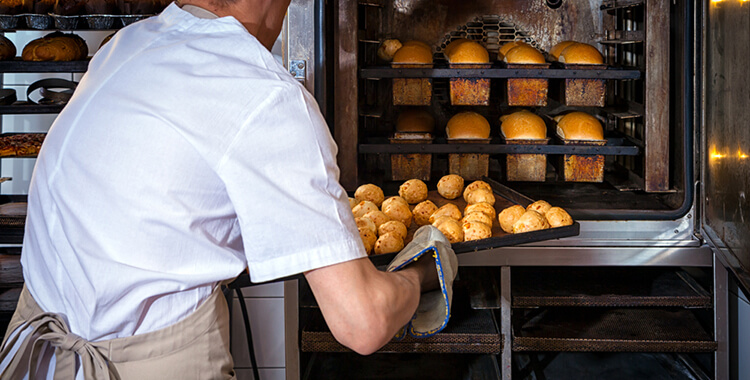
point(101, 7)
point(579, 126)
point(69, 7)
point(466, 51)
point(56, 46)
point(581, 54)
point(524, 54)
point(510, 45)
point(388, 49)
point(42, 7)
point(523, 125)
point(557, 49)
point(468, 125)
point(12, 7)
point(413, 52)
point(415, 120)
point(7, 49)
point(21, 145)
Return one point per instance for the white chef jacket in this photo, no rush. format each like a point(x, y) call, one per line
point(186, 154)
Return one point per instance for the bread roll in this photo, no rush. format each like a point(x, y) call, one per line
point(413, 191)
point(539, 206)
point(523, 125)
point(477, 217)
point(423, 211)
point(393, 227)
point(481, 207)
point(557, 49)
point(476, 231)
point(530, 221)
point(524, 54)
point(415, 120)
point(510, 45)
point(580, 126)
point(365, 222)
point(581, 54)
point(395, 199)
point(468, 52)
point(388, 49)
point(363, 208)
point(378, 217)
point(400, 212)
point(480, 196)
point(370, 192)
point(476, 185)
point(468, 125)
point(509, 216)
point(368, 239)
point(413, 53)
point(388, 243)
point(449, 209)
point(7, 49)
point(352, 202)
point(450, 186)
point(451, 228)
point(12, 7)
point(558, 217)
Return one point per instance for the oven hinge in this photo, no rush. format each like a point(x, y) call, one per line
point(298, 69)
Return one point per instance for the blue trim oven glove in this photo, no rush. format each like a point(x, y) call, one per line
point(434, 308)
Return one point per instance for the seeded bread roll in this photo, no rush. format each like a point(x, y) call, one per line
point(480, 196)
point(363, 208)
point(509, 216)
point(539, 206)
point(367, 223)
point(388, 243)
point(476, 185)
point(393, 227)
point(481, 207)
point(449, 210)
point(413, 191)
point(530, 221)
point(450, 186)
point(558, 217)
point(476, 231)
point(378, 217)
point(370, 192)
point(400, 212)
point(423, 211)
point(451, 228)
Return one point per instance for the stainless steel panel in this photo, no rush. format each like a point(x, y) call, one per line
point(726, 144)
point(298, 36)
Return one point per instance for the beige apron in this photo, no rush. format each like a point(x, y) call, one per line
point(195, 348)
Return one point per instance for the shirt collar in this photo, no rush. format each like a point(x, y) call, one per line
point(199, 12)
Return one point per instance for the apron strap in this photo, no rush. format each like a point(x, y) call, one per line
point(51, 328)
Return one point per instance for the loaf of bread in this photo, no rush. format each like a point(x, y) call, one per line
point(101, 7)
point(69, 7)
point(42, 7)
point(581, 54)
point(56, 46)
point(466, 51)
point(523, 125)
point(12, 7)
point(413, 52)
point(524, 54)
point(7, 49)
point(468, 125)
point(579, 125)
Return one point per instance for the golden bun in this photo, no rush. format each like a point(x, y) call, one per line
point(580, 126)
point(523, 125)
point(581, 54)
point(530, 221)
point(413, 191)
point(450, 186)
point(394, 199)
point(468, 125)
point(388, 243)
point(557, 49)
point(449, 209)
point(476, 185)
point(400, 212)
point(480, 196)
point(468, 52)
point(483, 207)
point(388, 49)
point(362, 208)
point(524, 54)
point(558, 217)
point(510, 45)
point(539, 206)
point(394, 227)
point(366, 223)
point(423, 211)
point(476, 231)
point(415, 120)
point(451, 228)
point(509, 216)
point(477, 217)
point(413, 52)
point(378, 217)
point(369, 192)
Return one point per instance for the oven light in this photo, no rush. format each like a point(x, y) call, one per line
point(715, 155)
point(741, 155)
point(716, 1)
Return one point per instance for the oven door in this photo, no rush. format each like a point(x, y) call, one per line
point(725, 141)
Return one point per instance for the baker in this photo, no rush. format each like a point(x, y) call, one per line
point(186, 155)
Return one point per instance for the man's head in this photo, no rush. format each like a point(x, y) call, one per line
point(262, 18)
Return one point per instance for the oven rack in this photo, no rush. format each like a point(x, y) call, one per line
point(498, 71)
point(614, 147)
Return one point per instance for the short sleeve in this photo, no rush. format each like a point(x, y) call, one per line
point(281, 175)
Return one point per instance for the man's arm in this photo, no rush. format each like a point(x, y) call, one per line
point(364, 307)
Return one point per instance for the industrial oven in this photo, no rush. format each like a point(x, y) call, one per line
point(642, 290)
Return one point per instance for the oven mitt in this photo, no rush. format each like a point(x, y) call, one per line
point(434, 308)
